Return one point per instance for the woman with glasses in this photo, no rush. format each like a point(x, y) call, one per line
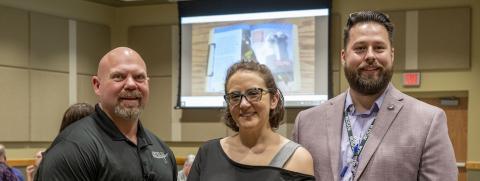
point(256, 152)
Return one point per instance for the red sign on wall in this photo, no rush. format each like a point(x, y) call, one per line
point(411, 79)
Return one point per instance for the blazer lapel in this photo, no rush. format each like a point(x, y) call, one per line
point(391, 105)
point(334, 132)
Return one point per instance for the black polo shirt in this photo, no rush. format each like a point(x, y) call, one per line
point(94, 149)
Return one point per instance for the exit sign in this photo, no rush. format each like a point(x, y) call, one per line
point(411, 79)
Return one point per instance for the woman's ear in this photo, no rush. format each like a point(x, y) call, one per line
point(274, 99)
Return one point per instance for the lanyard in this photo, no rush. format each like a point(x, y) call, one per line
point(356, 148)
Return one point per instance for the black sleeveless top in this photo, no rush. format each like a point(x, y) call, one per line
point(213, 164)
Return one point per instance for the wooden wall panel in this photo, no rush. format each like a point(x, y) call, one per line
point(457, 118)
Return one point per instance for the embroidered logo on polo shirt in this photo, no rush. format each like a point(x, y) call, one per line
point(160, 155)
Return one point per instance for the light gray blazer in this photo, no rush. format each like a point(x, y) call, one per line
point(409, 140)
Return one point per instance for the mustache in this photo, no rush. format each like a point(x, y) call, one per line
point(370, 66)
point(131, 94)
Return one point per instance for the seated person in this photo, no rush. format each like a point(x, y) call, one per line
point(256, 152)
point(7, 173)
point(183, 174)
point(32, 169)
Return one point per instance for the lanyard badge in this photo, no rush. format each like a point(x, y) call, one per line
point(356, 148)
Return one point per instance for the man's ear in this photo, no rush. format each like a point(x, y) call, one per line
point(96, 84)
point(342, 57)
point(393, 54)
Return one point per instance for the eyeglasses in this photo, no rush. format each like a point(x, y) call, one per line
point(251, 95)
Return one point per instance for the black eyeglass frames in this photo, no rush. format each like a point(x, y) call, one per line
point(251, 95)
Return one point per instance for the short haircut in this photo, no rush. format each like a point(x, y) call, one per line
point(276, 115)
point(367, 16)
point(2, 151)
point(189, 159)
point(76, 112)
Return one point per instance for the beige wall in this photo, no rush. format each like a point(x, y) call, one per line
point(37, 70)
point(121, 19)
point(73, 9)
point(141, 16)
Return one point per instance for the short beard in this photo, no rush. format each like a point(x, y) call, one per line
point(131, 114)
point(368, 86)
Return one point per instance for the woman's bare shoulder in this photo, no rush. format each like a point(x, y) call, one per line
point(301, 161)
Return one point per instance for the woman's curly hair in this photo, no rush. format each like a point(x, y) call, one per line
point(275, 115)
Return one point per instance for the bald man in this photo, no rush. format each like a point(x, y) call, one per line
point(111, 143)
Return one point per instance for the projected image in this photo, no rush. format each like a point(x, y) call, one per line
point(273, 44)
point(293, 44)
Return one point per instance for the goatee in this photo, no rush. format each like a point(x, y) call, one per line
point(129, 113)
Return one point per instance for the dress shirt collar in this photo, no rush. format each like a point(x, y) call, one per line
point(350, 108)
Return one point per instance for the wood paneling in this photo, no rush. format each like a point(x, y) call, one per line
point(473, 165)
point(457, 119)
point(462, 174)
point(180, 160)
point(26, 162)
point(20, 162)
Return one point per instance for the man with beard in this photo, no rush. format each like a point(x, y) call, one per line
point(373, 131)
point(111, 143)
